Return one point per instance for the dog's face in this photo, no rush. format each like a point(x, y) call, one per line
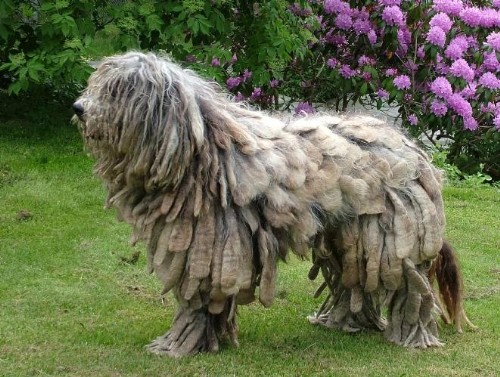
point(138, 99)
point(119, 99)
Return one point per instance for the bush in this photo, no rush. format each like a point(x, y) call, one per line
point(436, 61)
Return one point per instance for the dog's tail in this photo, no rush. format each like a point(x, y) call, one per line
point(446, 271)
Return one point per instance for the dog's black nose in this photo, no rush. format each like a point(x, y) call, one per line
point(78, 109)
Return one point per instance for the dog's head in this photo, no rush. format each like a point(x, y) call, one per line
point(138, 99)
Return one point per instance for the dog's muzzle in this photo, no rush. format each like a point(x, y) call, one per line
point(78, 109)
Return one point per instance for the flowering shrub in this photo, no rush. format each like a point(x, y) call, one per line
point(436, 61)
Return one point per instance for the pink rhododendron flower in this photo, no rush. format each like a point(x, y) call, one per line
point(382, 93)
point(393, 16)
point(488, 108)
point(389, 2)
point(436, 36)
point(489, 80)
point(239, 97)
point(457, 47)
point(372, 36)
point(303, 108)
point(343, 21)
point(233, 82)
point(441, 87)
point(460, 68)
point(346, 71)
point(451, 7)
point(469, 91)
point(493, 40)
point(365, 60)
point(438, 108)
point(490, 18)
point(247, 74)
point(361, 26)
point(490, 62)
point(496, 122)
point(256, 93)
point(471, 16)
point(470, 123)
point(402, 82)
point(460, 105)
point(443, 21)
point(412, 119)
point(421, 52)
point(391, 72)
point(336, 6)
point(332, 63)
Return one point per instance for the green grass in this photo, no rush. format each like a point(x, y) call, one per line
point(70, 305)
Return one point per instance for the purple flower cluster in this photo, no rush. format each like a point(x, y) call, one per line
point(469, 92)
point(490, 81)
point(336, 6)
point(343, 21)
point(215, 62)
point(460, 68)
point(460, 105)
point(450, 7)
point(490, 62)
point(303, 108)
point(391, 72)
point(393, 16)
point(388, 3)
point(365, 60)
point(456, 47)
point(471, 16)
point(246, 75)
point(496, 122)
point(347, 19)
point(493, 40)
point(436, 36)
point(454, 40)
point(332, 63)
point(413, 120)
point(383, 94)
point(372, 37)
point(480, 17)
point(470, 123)
point(402, 82)
point(442, 21)
point(439, 108)
point(441, 87)
point(233, 82)
point(346, 71)
point(297, 10)
point(256, 93)
point(274, 83)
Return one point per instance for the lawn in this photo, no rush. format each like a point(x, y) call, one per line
point(74, 301)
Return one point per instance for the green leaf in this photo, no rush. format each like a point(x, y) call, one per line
point(154, 22)
point(363, 89)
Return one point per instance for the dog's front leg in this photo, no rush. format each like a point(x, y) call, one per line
point(198, 329)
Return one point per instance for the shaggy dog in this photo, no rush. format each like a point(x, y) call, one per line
point(219, 193)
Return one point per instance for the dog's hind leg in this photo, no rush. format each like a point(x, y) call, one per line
point(349, 306)
point(410, 319)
